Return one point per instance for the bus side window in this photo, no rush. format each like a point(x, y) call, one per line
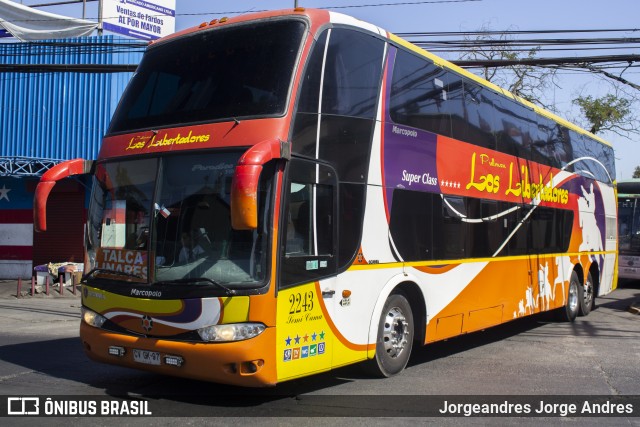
point(424, 95)
point(309, 220)
point(298, 222)
point(309, 231)
point(479, 115)
point(350, 88)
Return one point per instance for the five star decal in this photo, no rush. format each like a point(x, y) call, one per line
point(450, 184)
point(304, 346)
point(4, 193)
point(315, 336)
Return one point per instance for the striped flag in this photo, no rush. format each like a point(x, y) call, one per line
point(16, 229)
point(162, 211)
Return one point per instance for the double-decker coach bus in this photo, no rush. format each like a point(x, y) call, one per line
point(283, 193)
point(629, 228)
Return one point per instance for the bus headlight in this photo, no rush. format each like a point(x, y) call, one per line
point(92, 318)
point(231, 332)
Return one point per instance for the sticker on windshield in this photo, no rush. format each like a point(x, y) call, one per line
point(162, 210)
point(122, 262)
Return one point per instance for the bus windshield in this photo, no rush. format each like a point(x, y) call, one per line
point(167, 220)
point(215, 74)
point(629, 224)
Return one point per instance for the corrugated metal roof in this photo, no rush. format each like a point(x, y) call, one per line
point(54, 113)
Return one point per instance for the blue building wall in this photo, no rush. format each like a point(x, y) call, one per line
point(51, 113)
point(61, 114)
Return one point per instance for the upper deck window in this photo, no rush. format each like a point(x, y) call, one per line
point(225, 73)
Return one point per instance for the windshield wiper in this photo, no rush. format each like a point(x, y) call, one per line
point(108, 271)
point(193, 280)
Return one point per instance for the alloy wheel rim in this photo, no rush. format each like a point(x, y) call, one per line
point(395, 334)
point(573, 298)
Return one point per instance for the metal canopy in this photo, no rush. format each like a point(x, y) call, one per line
point(25, 166)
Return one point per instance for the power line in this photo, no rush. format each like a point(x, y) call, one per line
point(59, 3)
point(72, 68)
point(546, 61)
point(237, 12)
point(407, 3)
point(519, 50)
point(56, 48)
point(511, 32)
point(474, 63)
point(530, 42)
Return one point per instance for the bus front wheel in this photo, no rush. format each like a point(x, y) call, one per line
point(395, 337)
point(586, 296)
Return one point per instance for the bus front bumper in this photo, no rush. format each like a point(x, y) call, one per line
point(248, 363)
point(629, 267)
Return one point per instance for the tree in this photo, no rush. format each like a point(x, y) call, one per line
point(606, 113)
point(613, 112)
point(526, 81)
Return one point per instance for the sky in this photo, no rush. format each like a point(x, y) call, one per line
point(401, 16)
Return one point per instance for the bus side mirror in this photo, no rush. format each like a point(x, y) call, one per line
point(48, 181)
point(244, 197)
point(246, 178)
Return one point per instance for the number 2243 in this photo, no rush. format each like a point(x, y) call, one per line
point(301, 302)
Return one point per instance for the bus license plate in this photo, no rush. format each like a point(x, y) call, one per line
point(146, 356)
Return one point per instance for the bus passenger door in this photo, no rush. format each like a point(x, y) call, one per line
point(307, 269)
point(550, 237)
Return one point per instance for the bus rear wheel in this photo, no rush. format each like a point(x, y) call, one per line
point(395, 337)
point(586, 296)
point(569, 312)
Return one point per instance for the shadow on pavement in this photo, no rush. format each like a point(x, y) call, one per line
point(65, 359)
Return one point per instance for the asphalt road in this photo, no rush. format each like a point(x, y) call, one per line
point(598, 356)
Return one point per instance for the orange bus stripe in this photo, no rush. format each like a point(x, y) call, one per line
point(334, 329)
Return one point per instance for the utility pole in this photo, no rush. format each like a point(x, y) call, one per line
point(99, 17)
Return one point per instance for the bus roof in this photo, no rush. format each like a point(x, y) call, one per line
point(449, 65)
point(629, 187)
point(320, 17)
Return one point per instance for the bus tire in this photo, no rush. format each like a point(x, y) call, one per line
point(395, 337)
point(586, 296)
point(569, 312)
